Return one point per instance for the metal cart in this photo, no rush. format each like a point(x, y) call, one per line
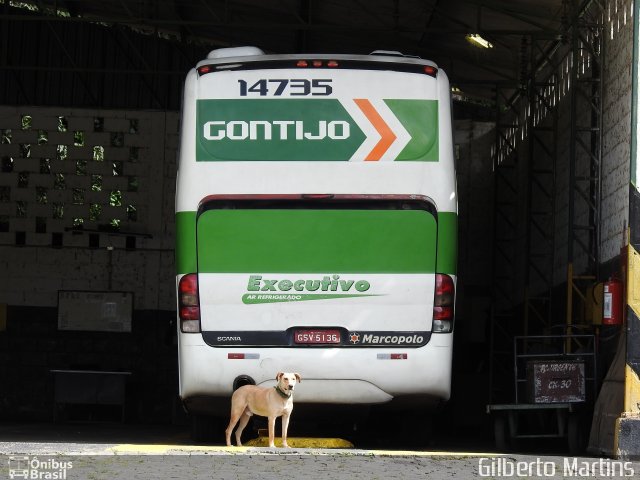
point(555, 384)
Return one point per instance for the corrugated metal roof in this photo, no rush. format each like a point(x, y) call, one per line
point(432, 29)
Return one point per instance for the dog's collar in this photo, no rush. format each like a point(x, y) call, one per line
point(281, 393)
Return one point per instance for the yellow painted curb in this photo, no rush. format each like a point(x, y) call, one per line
point(301, 442)
point(141, 449)
point(315, 446)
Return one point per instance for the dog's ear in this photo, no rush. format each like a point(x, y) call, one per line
point(279, 375)
point(298, 378)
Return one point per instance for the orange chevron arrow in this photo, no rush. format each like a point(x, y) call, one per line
point(387, 137)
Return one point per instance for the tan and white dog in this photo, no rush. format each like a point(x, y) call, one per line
point(264, 401)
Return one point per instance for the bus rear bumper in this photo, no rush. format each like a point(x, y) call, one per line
point(329, 375)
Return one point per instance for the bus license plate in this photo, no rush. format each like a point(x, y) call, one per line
point(316, 336)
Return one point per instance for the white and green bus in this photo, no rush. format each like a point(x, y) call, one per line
point(316, 217)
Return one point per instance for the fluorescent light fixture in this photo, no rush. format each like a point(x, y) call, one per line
point(478, 41)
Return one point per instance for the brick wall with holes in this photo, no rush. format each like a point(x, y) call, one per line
point(86, 203)
point(88, 195)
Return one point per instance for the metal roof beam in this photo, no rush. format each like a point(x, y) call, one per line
point(509, 9)
point(158, 22)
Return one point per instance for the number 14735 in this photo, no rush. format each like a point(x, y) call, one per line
point(296, 87)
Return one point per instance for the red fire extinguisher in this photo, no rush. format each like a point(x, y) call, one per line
point(612, 305)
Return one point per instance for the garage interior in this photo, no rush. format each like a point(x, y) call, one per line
point(90, 95)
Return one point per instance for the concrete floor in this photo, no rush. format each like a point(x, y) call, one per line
point(108, 451)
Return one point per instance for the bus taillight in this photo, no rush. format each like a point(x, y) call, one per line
point(317, 63)
point(431, 71)
point(443, 303)
point(189, 304)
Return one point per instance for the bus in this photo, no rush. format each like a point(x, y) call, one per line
point(316, 228)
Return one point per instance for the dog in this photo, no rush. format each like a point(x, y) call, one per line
point(264, 401)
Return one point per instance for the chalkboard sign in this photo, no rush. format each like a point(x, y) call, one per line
point(556, 381)
point(95, 311)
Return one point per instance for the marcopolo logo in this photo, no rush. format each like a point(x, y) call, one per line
point(387, 338)
point(286, 290)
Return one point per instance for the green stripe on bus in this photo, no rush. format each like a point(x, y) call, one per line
point(447, 242)
point(316, 241)
point(186, 242)
point(420, 119)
